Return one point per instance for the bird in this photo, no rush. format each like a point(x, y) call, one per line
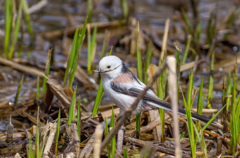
point(122, 87)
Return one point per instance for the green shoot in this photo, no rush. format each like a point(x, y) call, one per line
point(113, 141)
point(73, 57)
point(47, 69)
point(91, 48)
point(185, 54)
point(79, 120)
point(37, 95)
point(105, 43)
point(210, 87)
point(139, 57)
point(71, 115)
point(16, 30)
point(89, 11)
point(125, 153)
point(19, 90)
point(57, 132)
point(200, 102)
point(27, 18)
point(148, 60)
point(124, 5)
point(30, 152)
point(98, 98)
point(185, 18)
point(161, 89)
point(234, 117)
point(37, 141)
point(8, 6)
point(188, 106)
point(199, 30)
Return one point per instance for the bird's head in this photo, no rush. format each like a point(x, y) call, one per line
point(110, 66)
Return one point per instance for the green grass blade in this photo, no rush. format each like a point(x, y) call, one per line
point(190, 126)
point(37, 141)
point(105, 43)
point(19, 89)
point(148, 60)
point(185, 54)
point(199, 30)
point(125, 153)
point(200, 102)
point(98, 98)
point(8, 7)
point(190, 87)
point(27, 18)
point(47, 70)
point(210, 87)
point(37, 94)
point(124, 5)
point(89, 11)
point(91, 48)
point(185, 18)
point(16, 30)
point(138, 124)
point(113, 141)
point(139, 56)
point(57, 132)
point(71, 115)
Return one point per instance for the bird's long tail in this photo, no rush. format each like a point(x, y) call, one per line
point(166, 106)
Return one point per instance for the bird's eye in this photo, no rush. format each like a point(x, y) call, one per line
point(108, 66)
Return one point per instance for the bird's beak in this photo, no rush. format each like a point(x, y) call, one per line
point(97, 71)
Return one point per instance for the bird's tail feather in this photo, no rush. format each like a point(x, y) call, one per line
point(166, 106)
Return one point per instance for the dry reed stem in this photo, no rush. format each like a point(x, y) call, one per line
point(158, 148)
point(89, 146)
point(27, 69)
point(97, 141)
point(165, 36)
point(37, 7)
point(120, 140)
point(49, 140)
point(172, 83)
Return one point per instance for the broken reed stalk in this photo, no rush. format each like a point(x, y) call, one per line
point(98, 141)
point(120, 140)
point(165, 36)
point(50, 140)
point(172, 83)
point(128, 111)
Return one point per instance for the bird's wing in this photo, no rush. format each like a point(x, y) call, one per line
point(151, 98)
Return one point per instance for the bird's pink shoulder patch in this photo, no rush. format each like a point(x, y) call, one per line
point(124, 78)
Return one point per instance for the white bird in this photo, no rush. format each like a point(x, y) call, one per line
point(122, 87)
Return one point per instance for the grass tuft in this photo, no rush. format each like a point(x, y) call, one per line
point(71, 115)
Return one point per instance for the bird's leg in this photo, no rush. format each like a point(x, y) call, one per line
point(120, 116)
